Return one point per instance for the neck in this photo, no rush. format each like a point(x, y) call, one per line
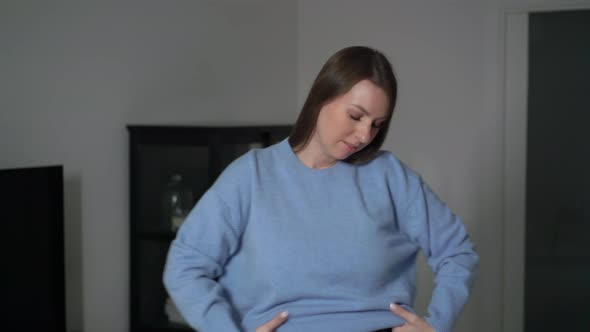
point(312, 159)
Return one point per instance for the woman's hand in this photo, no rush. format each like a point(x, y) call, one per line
point(413, 323)
point(272, 324)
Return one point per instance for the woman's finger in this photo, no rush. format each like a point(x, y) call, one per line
point(275, 322)
point(403, 313)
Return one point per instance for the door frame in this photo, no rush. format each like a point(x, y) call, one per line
point(513, 91)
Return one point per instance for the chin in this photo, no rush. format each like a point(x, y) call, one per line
point(345, 156)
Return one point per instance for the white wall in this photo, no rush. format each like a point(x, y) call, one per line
point(74, 74)
point(449, 125)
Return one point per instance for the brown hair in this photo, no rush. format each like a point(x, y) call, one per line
point(338, 75)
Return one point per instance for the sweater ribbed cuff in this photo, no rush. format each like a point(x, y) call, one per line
point(439, 325)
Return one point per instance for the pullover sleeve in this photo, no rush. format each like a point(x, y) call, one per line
point(204, 243)
point(449, 252)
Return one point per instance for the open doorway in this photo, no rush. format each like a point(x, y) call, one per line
point(557, 210)
point(546, 226)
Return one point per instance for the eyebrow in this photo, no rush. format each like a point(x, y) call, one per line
point(366, 112)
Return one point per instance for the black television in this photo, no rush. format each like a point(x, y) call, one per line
point(33, 264)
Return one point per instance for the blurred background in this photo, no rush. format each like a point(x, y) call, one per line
point(74, 74)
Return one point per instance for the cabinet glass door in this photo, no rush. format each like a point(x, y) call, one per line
point(171, 168)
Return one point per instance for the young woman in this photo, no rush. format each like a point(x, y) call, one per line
point(320, 232)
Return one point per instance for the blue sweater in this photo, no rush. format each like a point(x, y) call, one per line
point(332, 246)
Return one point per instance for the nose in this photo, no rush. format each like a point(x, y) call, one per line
point(363, 133)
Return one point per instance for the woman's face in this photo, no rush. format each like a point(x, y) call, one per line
point(348, 123)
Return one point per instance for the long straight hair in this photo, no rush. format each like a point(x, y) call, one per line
point(339, 74)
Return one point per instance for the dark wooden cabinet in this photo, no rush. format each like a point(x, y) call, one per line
point(158, 155)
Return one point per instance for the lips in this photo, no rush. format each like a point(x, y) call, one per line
point(351, 147)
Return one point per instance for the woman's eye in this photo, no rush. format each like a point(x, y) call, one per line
point(377, 125)
point(354, 117)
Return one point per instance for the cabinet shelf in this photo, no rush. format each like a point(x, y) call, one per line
point(156, 153)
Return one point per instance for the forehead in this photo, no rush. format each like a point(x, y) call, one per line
point(368, 96)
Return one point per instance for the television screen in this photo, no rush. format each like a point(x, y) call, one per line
point(32, 212)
